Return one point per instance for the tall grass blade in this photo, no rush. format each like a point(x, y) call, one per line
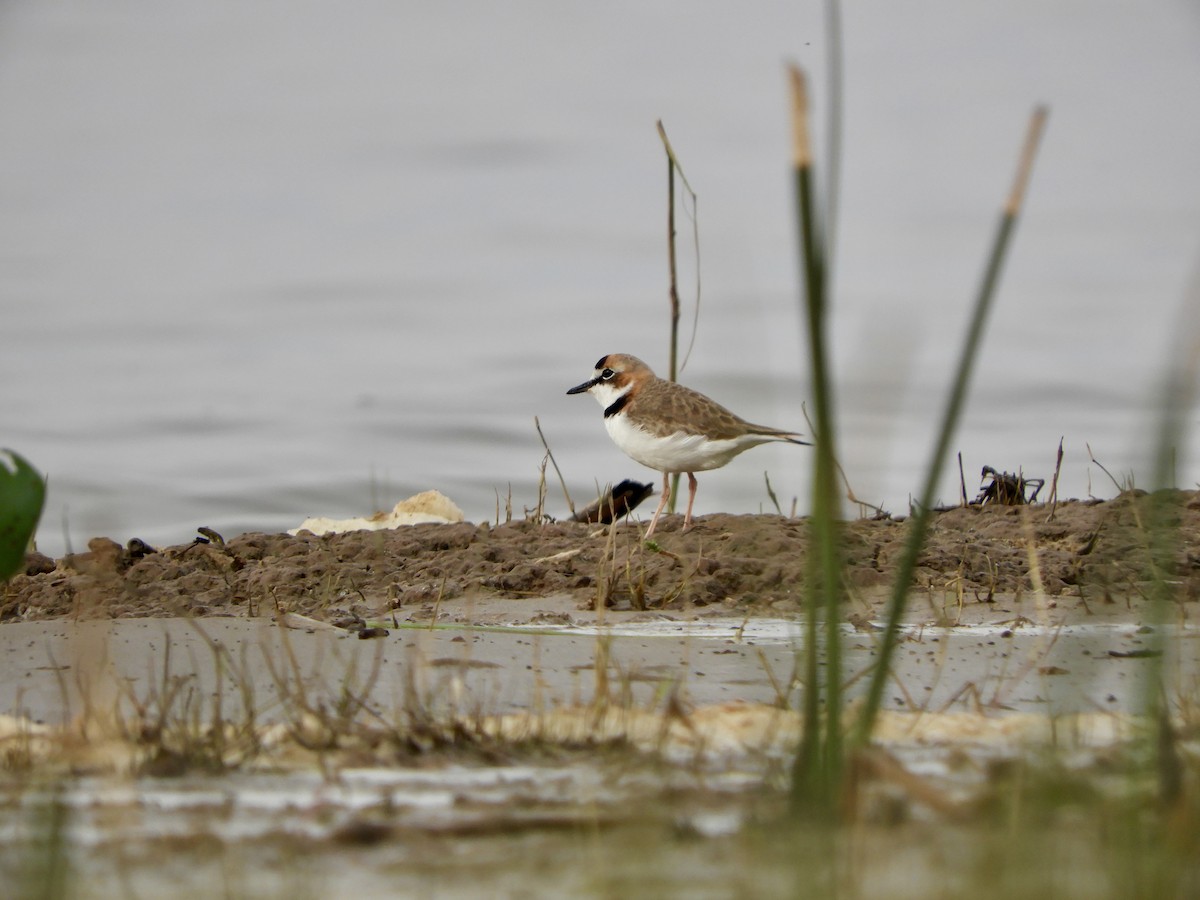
point(919, 523)
point(818, 766)
point(1163, 538)
point(46, 870)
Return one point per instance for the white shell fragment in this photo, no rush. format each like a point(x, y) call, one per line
point(419, 509)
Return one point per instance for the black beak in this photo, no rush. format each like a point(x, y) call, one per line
point(586, 386)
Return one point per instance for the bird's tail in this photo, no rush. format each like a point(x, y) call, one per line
point(775, 434)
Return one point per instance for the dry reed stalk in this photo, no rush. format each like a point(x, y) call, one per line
point(1054, 482)
point(553, 462)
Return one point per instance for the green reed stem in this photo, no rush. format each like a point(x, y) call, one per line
point(827, 474)
point(1163, 543)
point(919, 523)
point(818, 767)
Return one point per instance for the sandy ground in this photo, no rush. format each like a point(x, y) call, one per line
point(1088, 557)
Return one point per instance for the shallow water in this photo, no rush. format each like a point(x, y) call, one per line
point(535, 821)
point(660, 853)
point(50, 672)
point(259, 267)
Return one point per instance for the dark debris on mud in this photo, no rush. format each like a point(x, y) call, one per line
point(751, 563)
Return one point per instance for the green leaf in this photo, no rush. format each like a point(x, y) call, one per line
point(22, 495)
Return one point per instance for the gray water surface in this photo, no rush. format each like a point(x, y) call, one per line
point(260, 263)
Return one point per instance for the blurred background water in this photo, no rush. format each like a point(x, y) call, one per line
point(265, 261)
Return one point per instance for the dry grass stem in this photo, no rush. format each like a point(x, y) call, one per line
point(1053, 499)
point(553, 462)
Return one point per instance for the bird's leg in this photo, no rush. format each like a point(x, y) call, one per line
point(687, 519)
point(666, 495)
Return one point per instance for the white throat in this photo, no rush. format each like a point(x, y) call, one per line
point(607, 394)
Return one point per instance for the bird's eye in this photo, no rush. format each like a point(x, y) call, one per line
point(607, 374)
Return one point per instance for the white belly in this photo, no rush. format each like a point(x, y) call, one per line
point(678, 452)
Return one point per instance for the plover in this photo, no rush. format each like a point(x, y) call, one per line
point(669, 427)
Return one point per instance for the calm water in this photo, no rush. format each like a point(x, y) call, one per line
point(262, 263)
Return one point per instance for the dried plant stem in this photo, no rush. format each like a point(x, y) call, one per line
point(553, 462)
point(1054, 482)
point(673, 349)
point(1101, 467)
point(674, 366)
point(850, 495)
point(539, 513)
point(771, 494)
point(962, 482)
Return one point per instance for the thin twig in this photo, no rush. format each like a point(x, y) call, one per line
point(1054, 482)
point(771, 493)
point(673, 347)
point(695, 217)
point(1100, 465)
point(557, 471)
point(674, 366)
point(962, 482)
point(673, 288)
point(850, 495)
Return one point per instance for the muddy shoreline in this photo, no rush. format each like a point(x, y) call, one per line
point(217, 691)
point(1084, 556)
